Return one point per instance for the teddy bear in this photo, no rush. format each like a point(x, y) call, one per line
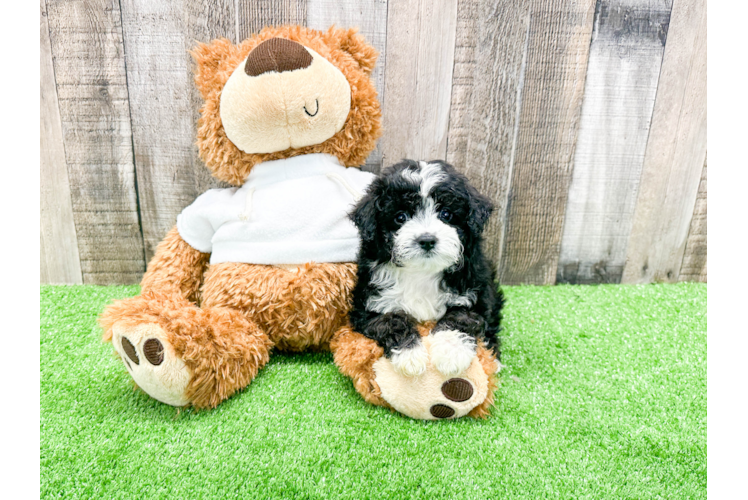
point(269, 264)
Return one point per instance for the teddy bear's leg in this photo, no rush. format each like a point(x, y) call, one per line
point(299, 308)
point(429, 396)
point(355, 356)
point(180, 354)
point(176, 352)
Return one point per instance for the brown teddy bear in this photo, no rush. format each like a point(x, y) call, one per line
point(269, 263)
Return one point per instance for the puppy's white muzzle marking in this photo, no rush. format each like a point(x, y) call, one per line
point(409, 251)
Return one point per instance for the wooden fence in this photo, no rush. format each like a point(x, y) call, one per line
point(584, 121)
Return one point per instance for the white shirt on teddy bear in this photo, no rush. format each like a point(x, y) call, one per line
point(289, 211)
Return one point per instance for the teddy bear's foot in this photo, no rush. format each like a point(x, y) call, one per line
point(151, 361)
point(429, 396)
point(180, 354)
point(434, 394)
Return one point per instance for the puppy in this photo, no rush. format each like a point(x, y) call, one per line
point(421, 260)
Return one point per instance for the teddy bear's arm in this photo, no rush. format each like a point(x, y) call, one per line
point(176, 268)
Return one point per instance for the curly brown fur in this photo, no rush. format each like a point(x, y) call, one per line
point(355, 356)
point(342, 47)
point(488, 361)
point(176, 268)
point(221, 347)
point(298, 310)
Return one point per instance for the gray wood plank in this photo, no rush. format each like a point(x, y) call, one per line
point(89, 68)
point(694, 257)
point(44, 276)
point(469, 21)
point(558, 48)
point(254, 15)
point(164, 103)
point(418, 79)
point(490, 52)
point(370, 17)
point(675, 153)
point(624, 66)
point(60, 262)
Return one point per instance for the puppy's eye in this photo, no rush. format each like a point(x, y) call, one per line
point(445, 215)
point(401, 217)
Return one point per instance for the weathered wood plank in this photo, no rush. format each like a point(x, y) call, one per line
point(44, 276)
point(469, 21)
point(558, 48)
point(370, 17)
point(418, 79)
point(89, 67)
point(60, 262)
point(487, 84)
point(675, 153)
point(624, 65)
point(694, 257)
point(255, 15)
point(164, 103)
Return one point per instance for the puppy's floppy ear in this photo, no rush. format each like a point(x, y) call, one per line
point(364, 216)
point(480, 210)
point(357, 46)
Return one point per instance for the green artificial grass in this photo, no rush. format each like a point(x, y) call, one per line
point(603, 396)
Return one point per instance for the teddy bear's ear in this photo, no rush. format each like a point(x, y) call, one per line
point(212, 62)
point(356, 45)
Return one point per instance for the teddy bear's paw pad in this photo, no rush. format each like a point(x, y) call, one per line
point(454, 389)
point(152, 362)
point(441, 411)
point(457, 389)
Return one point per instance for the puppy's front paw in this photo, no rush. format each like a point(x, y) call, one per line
point(452, 351)
point(410, 361)
point(469, 322)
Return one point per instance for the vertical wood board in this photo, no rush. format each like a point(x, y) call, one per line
point(490, 57)
point(370, 17)
point(165, 102)
point(694, 257)
point(624, 65)
point(558, 48)
point(418, 79)
point(60, 262)
point(254, 15)
point(89, 67)
point(675, 153)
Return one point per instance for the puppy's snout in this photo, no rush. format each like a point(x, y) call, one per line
point(277, 54)
point(426, 241)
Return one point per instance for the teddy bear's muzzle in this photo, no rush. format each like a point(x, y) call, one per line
point(284, 95)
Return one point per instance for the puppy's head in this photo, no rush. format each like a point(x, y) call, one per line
point(420, 215)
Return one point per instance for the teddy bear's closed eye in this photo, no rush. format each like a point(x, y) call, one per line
point(315, 107)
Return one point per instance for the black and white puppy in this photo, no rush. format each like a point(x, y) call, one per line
point(421, 259)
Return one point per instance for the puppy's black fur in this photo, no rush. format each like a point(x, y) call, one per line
point(393, 193)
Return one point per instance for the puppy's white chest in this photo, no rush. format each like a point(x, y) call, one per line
point(418, 294)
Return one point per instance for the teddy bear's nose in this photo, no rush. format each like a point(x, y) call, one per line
point(277, 54)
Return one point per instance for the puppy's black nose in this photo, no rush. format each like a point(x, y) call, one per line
point(427, 241)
